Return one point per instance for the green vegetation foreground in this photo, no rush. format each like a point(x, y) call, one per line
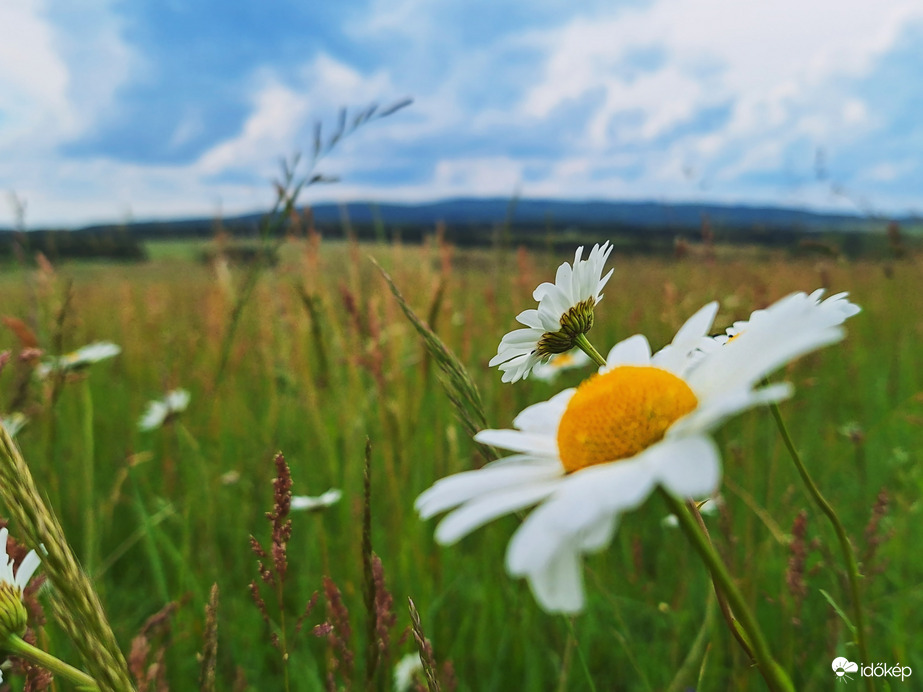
point(322, 358)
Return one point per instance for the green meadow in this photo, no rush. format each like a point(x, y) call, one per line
point(318, 358)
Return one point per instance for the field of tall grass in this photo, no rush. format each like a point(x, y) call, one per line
point(321, 360)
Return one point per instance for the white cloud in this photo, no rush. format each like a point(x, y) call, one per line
point(33, 77)
point(283, 115)
point(772, 61)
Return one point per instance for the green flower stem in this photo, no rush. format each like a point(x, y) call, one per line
point(726, 612)
point(775, 677)
point(89, 478)
point(852, 567)
point(585, 346)
point(25, 650)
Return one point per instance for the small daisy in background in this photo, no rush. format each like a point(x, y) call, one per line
point(78, 360)
point(590, 454)
point(306, 503)
point(706, 508)
point(572, 360)
point(408, 673)
point(14, 422)
point(564, 315)
point(161, 411)
point(13, 615)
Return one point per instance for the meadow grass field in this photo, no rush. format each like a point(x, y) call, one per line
point(322, 359)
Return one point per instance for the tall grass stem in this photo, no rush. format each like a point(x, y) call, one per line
point(849, 556)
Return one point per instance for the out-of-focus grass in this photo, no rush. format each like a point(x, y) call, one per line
point(174, 508)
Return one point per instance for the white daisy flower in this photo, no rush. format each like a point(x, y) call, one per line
point(79, 359)
point(309, 504)
point(160, 411)
point(833, 311)
point(565, 311)
point(14, 422)
point(590, 454)
point(13, 616)
point(548, 372)
point(407, 671)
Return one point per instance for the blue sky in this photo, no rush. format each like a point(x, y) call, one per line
point(117, 110)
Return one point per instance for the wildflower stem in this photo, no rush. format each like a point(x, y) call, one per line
point(726, 612)
point(852, 567)
point(584, 344)
point(586, 667)
point(18, 646)
point(775, 677)
point(89, 478)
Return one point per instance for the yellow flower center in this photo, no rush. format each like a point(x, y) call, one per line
point(620, 413)
point(562, 360)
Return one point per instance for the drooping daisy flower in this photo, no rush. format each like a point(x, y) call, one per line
point(308, 504)
point(160, 411)
point(78, 360)
point(590, 454)
point(565, 311)
point(548, 372)
point(13, 615)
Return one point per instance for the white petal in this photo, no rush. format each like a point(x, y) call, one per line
point(596, 537)
point(689, 467)
point(558, 586)
point(787, 329)
point(583, 500)
point(635, 350)
point(715, 410)
point(544, 417)
point(474, 514)
point(530, 318)
point(27, 568)
point(517, 441)
point(675, 357)
point(462, 487)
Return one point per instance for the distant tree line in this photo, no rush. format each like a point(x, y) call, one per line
point(127, 243)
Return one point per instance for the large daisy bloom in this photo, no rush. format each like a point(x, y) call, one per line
point(13, 614)
point(590, 454)
point(565, 311)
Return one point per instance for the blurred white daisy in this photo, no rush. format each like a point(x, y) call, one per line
point(565, 311)
point(707, 508)
point(13, 616)
point(592, 453)
point(160, 411)
point(78, 360)
point(407, 672)
point(548, 372)
point(307, 504)
point(14, 422)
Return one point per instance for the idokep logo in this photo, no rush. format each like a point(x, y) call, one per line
point(842, 667)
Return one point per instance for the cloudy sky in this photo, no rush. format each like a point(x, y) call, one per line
point(113, 110)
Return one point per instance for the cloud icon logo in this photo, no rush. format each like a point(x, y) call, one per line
point(841, 666)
